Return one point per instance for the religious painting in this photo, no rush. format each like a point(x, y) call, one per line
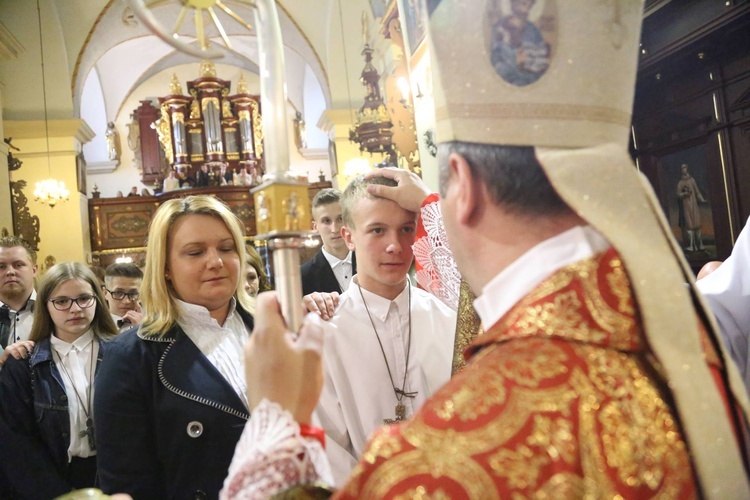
point(81, 173)
point(684, 181)
point(332, 159)
point(414, 20)
point(521, 37)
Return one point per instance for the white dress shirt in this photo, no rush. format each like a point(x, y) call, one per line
point(542, 261)
point(171, 184)
point(21, 321)
point(222, 344)
point(342, 268)
point(727, 291)
point(77, 370)
point(357, 392)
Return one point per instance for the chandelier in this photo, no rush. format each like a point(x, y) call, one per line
point(48, 191)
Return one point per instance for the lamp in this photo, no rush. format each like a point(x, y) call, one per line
point(372, 129)
point(48, 191)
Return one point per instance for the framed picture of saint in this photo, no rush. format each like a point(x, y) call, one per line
point(685, 182)
point(414, 22)
point(521, 37)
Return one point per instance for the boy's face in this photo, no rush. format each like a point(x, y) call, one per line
point(383, 235)
point(327, 221)
point(121, 284)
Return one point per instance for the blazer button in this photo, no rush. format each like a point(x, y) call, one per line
point(194, 430)
point(65, 434)
point(200, 495)
point(63, 398)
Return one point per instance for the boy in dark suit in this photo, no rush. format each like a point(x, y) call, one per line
point(332, 268)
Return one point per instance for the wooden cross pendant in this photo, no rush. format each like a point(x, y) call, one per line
point(89, 433)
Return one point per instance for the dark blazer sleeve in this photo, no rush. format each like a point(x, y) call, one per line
point(126, 444)
point(25, 459)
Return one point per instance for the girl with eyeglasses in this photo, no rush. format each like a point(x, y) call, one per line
point(47, 440)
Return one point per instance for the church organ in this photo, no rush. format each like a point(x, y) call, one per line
point(206, 126)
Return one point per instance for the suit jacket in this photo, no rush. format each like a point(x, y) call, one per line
point(317, 275)
point(167, 421)
point(201, 178)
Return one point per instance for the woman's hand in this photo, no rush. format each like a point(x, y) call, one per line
point(280, 366)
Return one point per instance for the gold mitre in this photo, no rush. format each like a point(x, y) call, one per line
point(563, 79)
point(559, 75)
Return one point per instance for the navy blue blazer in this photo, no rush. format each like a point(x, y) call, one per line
point(317, 275)
point(35, 423)
point(166, 420)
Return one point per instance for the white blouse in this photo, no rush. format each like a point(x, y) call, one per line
point(77, 365)
point(222, 344)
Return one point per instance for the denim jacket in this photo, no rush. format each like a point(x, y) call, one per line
point(35, 428)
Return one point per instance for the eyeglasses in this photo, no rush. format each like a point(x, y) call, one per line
point(64, 303)
point(133, 296)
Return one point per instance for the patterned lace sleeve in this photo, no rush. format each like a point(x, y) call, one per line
point(272, 457)
point(436, 270)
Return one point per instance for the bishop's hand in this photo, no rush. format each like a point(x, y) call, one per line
point(283, 367)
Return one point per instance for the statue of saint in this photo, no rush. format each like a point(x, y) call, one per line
point(113, 142)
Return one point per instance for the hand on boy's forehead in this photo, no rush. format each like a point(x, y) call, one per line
point(372, 209)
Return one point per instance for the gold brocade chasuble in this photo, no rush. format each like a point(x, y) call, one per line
point(560, 399)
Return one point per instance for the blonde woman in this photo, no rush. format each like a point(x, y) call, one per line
point(171, 400)
point(47, 443)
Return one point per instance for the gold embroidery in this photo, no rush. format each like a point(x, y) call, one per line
point(420, 493)
point(474, 400)
point(463, 471)
point(520, 467)
point(383, 445)
point(555, 436)
point(559, 318)
point(620, 285)
point(468, 326)
point(539, 360)
point(562, 485)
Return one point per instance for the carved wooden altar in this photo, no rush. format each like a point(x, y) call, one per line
point(119, 226)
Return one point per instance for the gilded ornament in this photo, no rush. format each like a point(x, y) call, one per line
point(174, 86)
point(207, 69)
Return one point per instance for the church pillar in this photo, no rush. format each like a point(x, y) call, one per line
point(64, 228)
point(349, 161)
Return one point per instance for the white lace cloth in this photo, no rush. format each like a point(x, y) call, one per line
point(439, 274)
point(272, 457)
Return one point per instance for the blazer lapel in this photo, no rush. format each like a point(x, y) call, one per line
point(185, 371)
point(325, 277)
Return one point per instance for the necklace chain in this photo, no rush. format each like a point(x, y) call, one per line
point(400, 393)
point(89, 432)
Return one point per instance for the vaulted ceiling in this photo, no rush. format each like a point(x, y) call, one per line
point(322, 38)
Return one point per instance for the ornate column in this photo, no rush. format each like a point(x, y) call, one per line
point(247, 108)
point(174, 111)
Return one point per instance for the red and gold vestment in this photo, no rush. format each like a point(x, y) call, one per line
point(560, 398)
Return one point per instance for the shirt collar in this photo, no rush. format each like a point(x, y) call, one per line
point(380, 306)
point(28, 306)
point(63, 348)
point(334, 261)
point(194, 315)
point(518, 279)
